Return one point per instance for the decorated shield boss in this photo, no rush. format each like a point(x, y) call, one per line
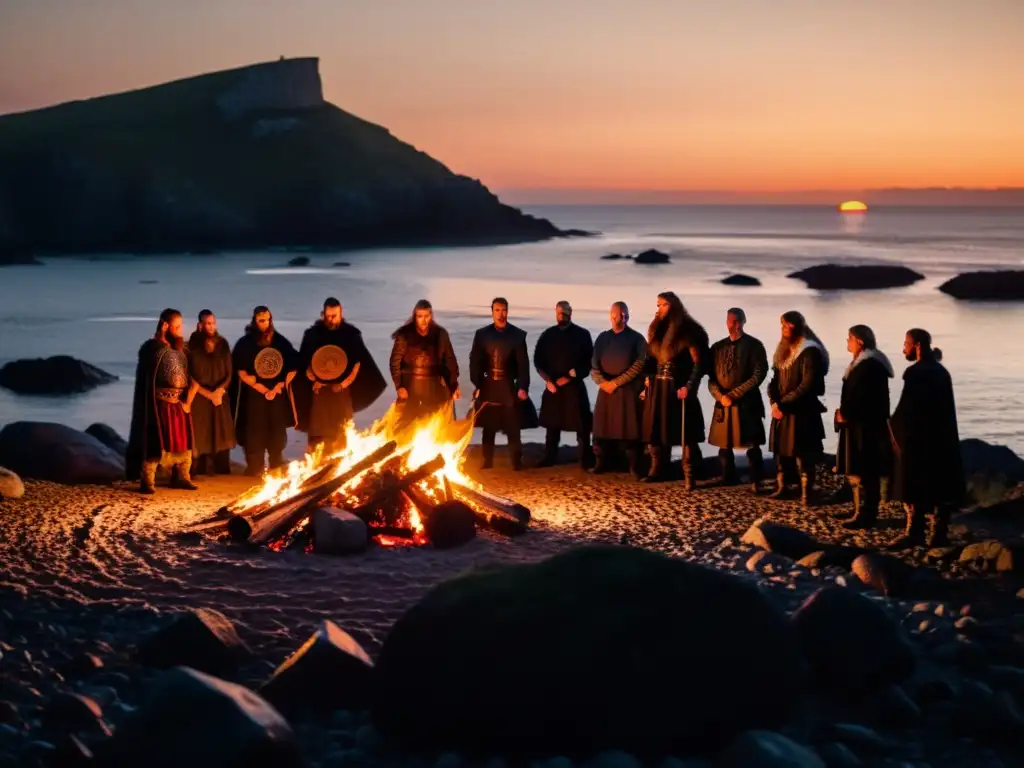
point(269, 363)
point(329, 362)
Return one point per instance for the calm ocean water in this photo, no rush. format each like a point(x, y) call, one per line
point(101, 308)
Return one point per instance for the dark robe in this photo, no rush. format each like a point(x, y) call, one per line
point(325, 413)
point(738, 369)
point(619, 358)
point(212, 425)
point(261, 424)
point(425, 366)
point(159, 428)
point(670, 366)
point(865, 446)
point(565, 352)
point(499, 366)
point(929, 467)
point(795, 387)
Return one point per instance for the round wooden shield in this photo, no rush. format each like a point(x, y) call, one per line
point(269, 363)
point(329, 362)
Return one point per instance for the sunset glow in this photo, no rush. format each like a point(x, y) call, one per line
point(576, 95)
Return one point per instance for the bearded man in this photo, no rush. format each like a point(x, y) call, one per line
point(209, 367)
point(341, 378)
point(799, 368)
point(562, 358)
point(161, 429)
point(616, 368)
point(423, 365)
point(739, 364)
point(265, 364)
point(929, 476)
point(499, 367)
point(677, 346)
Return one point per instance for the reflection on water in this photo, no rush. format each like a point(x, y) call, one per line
point(41, 309)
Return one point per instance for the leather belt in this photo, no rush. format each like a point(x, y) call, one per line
point(168, 395)
point(423, 373)
point(497, 375)
point(665, 371)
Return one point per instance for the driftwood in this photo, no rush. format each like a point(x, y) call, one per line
point(262, 528)
point(420, 500)
point(367, 510)
point(504, 515)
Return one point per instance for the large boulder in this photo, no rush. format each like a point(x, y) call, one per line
point(11, 486)
point(989, 460)
point(43, 450)
point(608, 647)
point(192, 719)
point(203, 639)
point(843, 277)
point(60, 375)
point(741, 280)
point(109, 437)
point(652, 256)
point(1002, 285)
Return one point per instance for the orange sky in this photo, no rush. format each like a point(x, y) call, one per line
point(641, 94)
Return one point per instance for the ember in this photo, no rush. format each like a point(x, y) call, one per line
point(392, 478)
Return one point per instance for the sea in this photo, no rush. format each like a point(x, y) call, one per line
point(100, 308)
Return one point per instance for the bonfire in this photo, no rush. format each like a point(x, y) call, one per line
point(397, 478)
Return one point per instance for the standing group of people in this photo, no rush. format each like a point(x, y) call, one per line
point(198, 399)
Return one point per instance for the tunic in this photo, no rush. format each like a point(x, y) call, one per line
point(737, 370)
point(670, 366)
point(499, 366)
point(795, 388)
point(161, 431)
point(865, 447)
point(929, 467)
point(213, 425)
point(261, 424)
point(565, 351)
point(425, 366)
point(324, 414)
point(619, 357)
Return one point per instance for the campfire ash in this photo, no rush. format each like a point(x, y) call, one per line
point(402, 482)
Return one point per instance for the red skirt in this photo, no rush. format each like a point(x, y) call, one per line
point(175, 427)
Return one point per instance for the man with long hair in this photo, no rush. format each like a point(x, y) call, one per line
point(929, 476)
point(265, 364)
point(161, 429)
point(677, 348)
point(739, 364)
point(340, 378)
point(562, 358)
point(499, 367)
point(209, 367)
point(797, 433)
point(423, 365)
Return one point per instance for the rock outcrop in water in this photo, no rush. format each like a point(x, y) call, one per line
point(1002, 285)
point(250, 157)
point(868, 277)
point(58, 375)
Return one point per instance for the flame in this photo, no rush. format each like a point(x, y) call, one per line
point(418, 443)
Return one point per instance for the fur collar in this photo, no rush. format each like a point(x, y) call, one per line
point(668, 347)
point(803, 346)
point(870, 354)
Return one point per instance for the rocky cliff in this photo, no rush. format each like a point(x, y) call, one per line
point(243, 158)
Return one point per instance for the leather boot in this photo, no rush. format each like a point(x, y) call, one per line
point(181, 475)
point(727, 461)
point(147, 483)
point(938, 527)
point(657, 470)
point(756, 460)
point(517, 459)
point(865, 505)
point(551, 442)
point(586, 451)
point(633, 459)
point(201, 465)
point(914, 534)
point(254, 464)
point(601, 464)
point(275, 459)
point(806, 470)
point(780, 488)
point(488, 452)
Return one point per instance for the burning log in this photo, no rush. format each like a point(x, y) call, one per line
point(299, 506)
point(367, 511)
point(504, 515)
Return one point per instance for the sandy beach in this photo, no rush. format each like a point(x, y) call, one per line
point(91, 570)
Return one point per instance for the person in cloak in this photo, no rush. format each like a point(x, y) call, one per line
point(562, 358)
point(161, 428)
point(617, 367)
point(340, 378)
point(862, 421)
point(929, 474)
point(265, 364)
point(499, 367)
point(677, 347)
point(209, 367)
point(797, 433)
point(739, 365)
point(423, 365)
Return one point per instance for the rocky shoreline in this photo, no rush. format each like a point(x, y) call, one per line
point(91, 573)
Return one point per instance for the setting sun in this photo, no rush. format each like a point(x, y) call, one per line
point(853, 206)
